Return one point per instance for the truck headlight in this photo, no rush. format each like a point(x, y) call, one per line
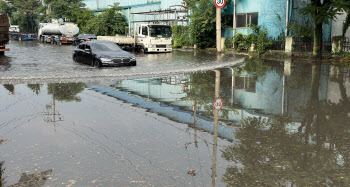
point(168, 46)
point(150, 45)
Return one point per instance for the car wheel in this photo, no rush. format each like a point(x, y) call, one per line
point(97, 63)
point(75, 58)
point(133, 64)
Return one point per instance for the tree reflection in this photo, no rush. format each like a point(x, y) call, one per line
point(34, 87)
point(315, 154)
point(2, 178)
point(10, 88)
point(66, 92)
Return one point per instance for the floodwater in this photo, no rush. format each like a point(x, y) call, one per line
point(282, 124)
point(31, 60)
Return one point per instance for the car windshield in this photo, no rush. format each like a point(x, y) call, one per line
point(105, 47)
point(160, 31)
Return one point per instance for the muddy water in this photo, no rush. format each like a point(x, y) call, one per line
point(282, 124)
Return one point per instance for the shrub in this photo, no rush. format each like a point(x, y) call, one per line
point(181, 36)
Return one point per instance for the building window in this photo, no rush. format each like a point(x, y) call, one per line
point(246, 20)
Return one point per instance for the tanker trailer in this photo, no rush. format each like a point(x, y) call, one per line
point(4, 33)
point(57, 33)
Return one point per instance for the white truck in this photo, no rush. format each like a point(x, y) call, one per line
point(149, 38)
point(57, 33)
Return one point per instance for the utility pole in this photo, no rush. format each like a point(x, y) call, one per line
point(219, 5)
point(218, 30)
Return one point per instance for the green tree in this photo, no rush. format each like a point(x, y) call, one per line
point(203, 22)
point(30, 9)
point(110, 22)
point(67, 9)
point(321, 12)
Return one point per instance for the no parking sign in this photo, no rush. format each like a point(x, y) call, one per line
point(220, 3)
point(218, 104)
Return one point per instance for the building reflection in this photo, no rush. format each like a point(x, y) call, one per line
point(295, 118)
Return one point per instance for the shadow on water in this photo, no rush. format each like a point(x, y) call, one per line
point(282, 124)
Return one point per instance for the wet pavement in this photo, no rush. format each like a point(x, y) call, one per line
point(282, 124)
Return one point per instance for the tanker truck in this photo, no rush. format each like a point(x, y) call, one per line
point(57, 33)
point(4, 33)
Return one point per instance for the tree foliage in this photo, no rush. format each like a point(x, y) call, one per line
point(321, 11)
point(108, 23)
point(203, 20)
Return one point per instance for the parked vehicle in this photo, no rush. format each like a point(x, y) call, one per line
point(4, 33)
point(102, 53)
point(15, 34)
point(149, 38)
point(57, 33)
point(85, 37)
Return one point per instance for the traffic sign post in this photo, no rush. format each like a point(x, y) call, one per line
point(220, 3)
point(218, 104)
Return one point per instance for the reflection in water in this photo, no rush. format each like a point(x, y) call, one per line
point(295, 119)
point(10, 88)
point(2, 178)
point(34, 87)
point(36, 179)
point(283, 124)
point(66, 92)
point(216, 120)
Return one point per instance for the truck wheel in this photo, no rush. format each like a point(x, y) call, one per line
point(2, 53)
point(142, 50)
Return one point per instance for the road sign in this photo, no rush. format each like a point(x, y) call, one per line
point(220, 3)
point(218, 104)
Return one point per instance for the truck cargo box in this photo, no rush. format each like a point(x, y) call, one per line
point(4, 28)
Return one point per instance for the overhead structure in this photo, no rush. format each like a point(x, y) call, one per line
point(168, 16)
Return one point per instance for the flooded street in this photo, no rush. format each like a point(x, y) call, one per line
point(282, 123)
point(37, 61)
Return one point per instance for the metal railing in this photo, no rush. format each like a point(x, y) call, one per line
point(302, 44)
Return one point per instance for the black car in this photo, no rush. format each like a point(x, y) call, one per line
point(102, 53)
point(85, 37)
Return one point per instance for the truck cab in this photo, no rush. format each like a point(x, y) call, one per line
point(154, 38)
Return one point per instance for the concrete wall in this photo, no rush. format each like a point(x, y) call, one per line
point(337, 26)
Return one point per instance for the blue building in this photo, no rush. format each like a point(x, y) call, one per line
point(273, 14)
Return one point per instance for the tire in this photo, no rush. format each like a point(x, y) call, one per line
point(96, 63)
point(142, 50)
point(2, 53)
point(133, 64)
point(74, 58)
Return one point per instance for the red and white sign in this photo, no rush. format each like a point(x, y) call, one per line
point(218, 104)
point(220, 3)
